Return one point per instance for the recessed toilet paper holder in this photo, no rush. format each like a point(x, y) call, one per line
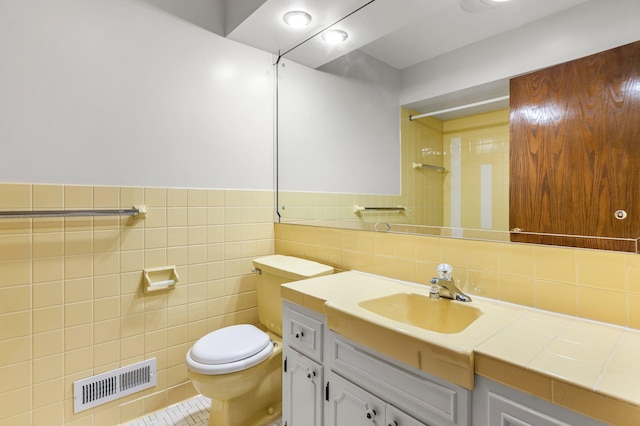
point(161, 278)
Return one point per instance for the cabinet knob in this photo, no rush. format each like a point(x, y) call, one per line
point(311, 374)
point(393, 423)
point(299, 335)
point(371, 414)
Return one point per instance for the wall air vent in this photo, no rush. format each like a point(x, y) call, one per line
point(114, 384)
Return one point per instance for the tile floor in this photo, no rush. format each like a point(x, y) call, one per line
point(192, 412)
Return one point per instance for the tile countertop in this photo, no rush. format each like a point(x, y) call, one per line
point(589, 367)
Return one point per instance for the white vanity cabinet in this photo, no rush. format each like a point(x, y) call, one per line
point(350, 405)
point(303, 381)
point(497, 405)
point(303, 384)
point(409, 391)
point(395, 417)
point(330, 380)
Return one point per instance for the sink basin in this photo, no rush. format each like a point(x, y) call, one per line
point(439, 315)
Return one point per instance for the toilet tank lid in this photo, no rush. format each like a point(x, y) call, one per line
point(229, 344)
point(292, 267)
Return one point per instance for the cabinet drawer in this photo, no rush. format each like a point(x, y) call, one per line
point(303, 330)
point(422, 396)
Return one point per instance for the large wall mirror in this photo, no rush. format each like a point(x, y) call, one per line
point(405, 126)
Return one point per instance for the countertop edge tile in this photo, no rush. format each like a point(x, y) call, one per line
point(596, 405)
point(514, 376)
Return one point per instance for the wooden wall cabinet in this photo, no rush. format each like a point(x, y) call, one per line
point(575, 152)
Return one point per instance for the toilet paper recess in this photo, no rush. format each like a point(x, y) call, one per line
point(161, 278)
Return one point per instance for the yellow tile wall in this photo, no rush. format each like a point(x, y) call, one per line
point(422, 142)
point(591, 284)
point(484, 141)
point(319, 207)
point(71, 300)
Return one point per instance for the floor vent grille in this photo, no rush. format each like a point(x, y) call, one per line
point(114, 384)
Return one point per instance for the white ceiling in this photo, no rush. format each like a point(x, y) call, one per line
point(400, 33)
point(449, 28)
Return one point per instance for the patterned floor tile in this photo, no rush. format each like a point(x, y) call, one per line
point(192, 412)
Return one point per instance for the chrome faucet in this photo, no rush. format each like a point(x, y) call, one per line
point(446, 284)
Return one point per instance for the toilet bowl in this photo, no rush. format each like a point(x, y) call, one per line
point(245, 390)
point(240, 366)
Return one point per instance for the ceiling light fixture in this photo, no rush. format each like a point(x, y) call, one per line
point(334, 36)
point(297, 18)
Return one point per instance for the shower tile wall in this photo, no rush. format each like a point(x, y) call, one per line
point(71, 301)
point(484, 156)
point(422, 188)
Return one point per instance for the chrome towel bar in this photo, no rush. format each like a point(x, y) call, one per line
point(429, 166)
point(358, 209)
point(135, 211)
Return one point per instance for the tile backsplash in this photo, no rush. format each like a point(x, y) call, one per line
point(591, 284)
point(71, 300)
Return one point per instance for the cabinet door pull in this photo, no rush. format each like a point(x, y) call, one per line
point(311, 374)
point(371, 414)
point(299, 335)
point(392, 423)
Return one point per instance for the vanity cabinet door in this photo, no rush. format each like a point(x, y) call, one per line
point(302, 390)
point(495, 404)
point(395, 417)
point(350, 405)
point(505, 412)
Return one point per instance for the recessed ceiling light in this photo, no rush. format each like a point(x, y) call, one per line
point(297, 18)
point(334, 36)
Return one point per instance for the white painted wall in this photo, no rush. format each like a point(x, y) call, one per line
point(339, 133)
point(117, 92)
point(209, 14)
point(586, 29)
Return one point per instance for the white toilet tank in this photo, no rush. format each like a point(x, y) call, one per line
point(276, 270)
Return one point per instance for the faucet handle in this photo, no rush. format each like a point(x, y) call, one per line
point(445, 270)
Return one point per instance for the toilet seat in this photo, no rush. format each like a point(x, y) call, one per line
point(229, 349)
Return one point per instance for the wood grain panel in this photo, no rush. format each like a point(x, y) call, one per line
point(575, 151)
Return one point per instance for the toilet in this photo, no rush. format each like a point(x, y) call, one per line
point(240, 366)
